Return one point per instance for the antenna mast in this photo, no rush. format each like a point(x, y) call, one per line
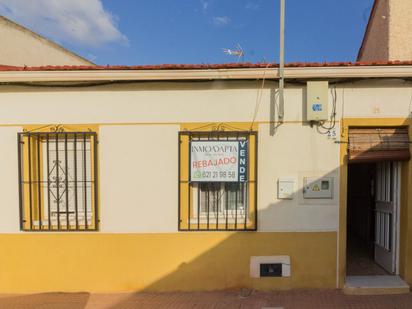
point(282, 62)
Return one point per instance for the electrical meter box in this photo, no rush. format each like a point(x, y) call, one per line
point(318, 188)
point(317, 100)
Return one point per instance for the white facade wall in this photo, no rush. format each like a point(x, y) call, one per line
point(138, 145)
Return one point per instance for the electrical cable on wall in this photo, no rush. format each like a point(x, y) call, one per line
point(259, 97)
point(342, 133)
point(321, 125)
point(410, 105)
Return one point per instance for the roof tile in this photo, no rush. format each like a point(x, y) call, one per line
point(202, 66)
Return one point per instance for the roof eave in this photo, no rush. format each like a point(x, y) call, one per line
point(216, 74)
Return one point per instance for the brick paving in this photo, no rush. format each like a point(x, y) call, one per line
point(211, 300)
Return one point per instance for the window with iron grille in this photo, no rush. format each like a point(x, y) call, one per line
point(58, 181)
point(217, 205)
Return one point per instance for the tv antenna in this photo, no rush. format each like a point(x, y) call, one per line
point(238, 52)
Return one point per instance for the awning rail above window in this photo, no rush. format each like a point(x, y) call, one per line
point(378, 144)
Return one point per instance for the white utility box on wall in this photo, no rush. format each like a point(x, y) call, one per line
point(318, 188)
point(286, 188)
point(317, 100)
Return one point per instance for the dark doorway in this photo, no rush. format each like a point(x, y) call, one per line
point(361, 221)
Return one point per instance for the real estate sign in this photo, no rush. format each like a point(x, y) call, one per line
point(218, 161)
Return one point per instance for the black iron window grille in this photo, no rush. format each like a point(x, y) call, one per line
point(58, 181)
point(220, 205)
point(221, 200)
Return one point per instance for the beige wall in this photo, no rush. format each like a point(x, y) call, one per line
point(389, 34)
point(21, 47)
point(138, 135)
point(138, 180)
point(400, 25)
point(141, 181)
point(138, 167)
point(8, 165)
point(376, 41)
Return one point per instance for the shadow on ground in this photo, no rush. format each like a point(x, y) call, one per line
point(243, 299)
point(45, 301)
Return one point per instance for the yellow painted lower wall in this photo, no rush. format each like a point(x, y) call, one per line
point(161, 262)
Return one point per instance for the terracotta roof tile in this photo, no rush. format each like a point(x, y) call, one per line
point(203, 66)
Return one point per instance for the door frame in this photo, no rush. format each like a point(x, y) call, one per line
point(343, 171)
point(398, 218)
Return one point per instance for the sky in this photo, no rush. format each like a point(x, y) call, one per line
point(138, 32)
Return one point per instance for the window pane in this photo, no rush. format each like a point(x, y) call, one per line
point(210, 197)
point(75, 176)
point(236, 196)
point(217, 197)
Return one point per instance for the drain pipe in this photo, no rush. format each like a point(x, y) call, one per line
point(282, 62)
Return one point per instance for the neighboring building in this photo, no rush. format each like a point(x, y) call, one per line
point(22, 47)
point(115, 168)
point(388, 35)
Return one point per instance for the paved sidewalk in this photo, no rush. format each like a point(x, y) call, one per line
point(217, 300)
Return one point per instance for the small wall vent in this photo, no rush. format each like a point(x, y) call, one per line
point(271, 270)
point(269, 266)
